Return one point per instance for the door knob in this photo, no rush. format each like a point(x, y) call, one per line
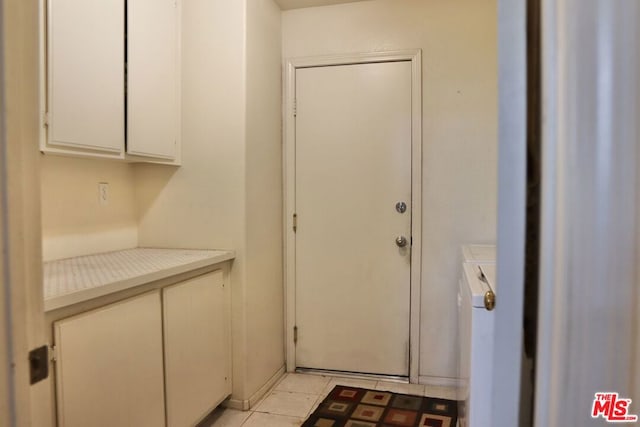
point(401, 241)
point(401, 207)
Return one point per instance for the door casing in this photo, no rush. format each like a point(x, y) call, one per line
point(22, 325)
point(291, 65)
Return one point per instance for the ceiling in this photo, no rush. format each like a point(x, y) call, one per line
point(297, 4)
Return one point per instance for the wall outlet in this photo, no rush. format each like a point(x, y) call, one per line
point(103, 193)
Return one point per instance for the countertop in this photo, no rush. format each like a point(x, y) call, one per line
point(73, 280)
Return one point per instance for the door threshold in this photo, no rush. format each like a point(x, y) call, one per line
point(355, 375)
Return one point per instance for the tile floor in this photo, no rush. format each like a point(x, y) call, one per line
point(296, 396)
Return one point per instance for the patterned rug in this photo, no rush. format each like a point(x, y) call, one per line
point(358, 407)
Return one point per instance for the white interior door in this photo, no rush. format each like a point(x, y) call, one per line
point(353, 165)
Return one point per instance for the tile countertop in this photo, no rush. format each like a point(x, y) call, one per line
point(72, 280)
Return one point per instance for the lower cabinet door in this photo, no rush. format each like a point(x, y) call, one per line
point(197, 347)
point(109, 365)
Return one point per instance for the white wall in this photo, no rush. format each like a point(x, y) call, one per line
point(226, 194)
point(73, 221)
point(459, 46)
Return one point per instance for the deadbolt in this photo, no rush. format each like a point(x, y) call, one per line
point(401, 207)
point(401, 241)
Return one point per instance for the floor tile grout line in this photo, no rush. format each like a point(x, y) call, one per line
point(314, 407)
point(268, 413)
point(247, 419)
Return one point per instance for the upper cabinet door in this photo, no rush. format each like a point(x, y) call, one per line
point(86, 76)
point(153, 112)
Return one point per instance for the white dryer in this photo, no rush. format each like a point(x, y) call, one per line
point(476, 299)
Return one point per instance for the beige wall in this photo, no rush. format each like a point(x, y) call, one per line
point(227, 192)
point(458, 40)
point(263, 174)
point(73, 221)
point(201, 204)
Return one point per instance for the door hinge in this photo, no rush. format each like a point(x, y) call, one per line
point(295, 107)
point(45, 119)
point(53, 354)
point(295, 334)
point(39, 364)
point(295, 222)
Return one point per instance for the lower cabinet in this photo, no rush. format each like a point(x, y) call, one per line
point(109, 365)
point(197, 345)
point(161, 358)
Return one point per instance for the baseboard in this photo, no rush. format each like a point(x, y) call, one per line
point(245, 405)
point(266, 387)
point(240, 405)
point(439, 381)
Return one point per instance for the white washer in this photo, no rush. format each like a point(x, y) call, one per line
point(476, 336)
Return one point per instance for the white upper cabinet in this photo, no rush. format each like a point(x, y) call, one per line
point(152, 83)
point(112, 79)
point(86, 76)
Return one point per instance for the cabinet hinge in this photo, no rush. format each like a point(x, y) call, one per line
point(295, 334)
point(295, 222)
point(45, 119)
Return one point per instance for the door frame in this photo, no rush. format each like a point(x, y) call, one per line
point(22, 325)
point(291, 65)
point(512, 186)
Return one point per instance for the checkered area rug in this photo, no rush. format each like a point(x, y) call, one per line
point(358, 407)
